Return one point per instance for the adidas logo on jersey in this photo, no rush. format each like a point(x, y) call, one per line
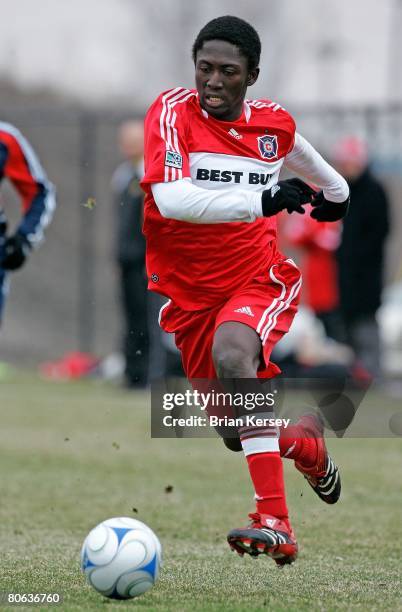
point(235, 134)
point(245, 310)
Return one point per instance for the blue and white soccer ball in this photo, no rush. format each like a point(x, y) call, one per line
point(121, 558)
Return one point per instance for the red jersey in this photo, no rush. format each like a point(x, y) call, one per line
point(319, 242)
point(19, 163)
point(201, 265)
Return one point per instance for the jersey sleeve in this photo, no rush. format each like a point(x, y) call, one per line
point(21, 166)
point(290, 127)
point(165, 139)
point(305, 161)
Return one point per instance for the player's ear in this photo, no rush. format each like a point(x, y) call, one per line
point(253, 76)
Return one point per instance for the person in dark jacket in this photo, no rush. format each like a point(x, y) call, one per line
point(361, 253)
point(130, 252)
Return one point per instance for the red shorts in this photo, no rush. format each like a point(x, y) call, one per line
point(267, 305)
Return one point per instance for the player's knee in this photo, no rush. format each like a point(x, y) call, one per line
point(233, 444)
point(230, 437)
point(232, 362)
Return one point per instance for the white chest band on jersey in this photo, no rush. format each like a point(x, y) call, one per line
point(184, 201)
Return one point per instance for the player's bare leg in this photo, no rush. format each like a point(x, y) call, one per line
point(236, 354)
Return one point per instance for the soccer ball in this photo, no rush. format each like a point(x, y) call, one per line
point(121, 558)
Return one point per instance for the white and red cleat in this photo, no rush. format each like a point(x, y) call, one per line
point(266, 535)
point(323, 477)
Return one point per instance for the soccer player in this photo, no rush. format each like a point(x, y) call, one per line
point(19, 164)
point(212, 163)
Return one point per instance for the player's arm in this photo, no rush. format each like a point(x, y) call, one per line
point(332, 202)
point(22, 167)
point(184, 201)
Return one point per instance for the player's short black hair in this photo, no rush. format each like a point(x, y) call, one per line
point(235, 31)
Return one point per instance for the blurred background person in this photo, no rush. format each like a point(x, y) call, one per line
point(361, 252)
point(307, 352)
point(20, 165)
point(130, 252)
point(148, 351)
point(318, 243)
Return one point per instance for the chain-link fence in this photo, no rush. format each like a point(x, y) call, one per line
point(66, 297)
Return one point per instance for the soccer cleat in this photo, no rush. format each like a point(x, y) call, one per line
point(323, 477)
point(266, 535)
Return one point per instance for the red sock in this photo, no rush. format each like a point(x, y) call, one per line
point(266, 472)
point(293, 445)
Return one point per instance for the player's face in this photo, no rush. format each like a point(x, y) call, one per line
point(222, 77)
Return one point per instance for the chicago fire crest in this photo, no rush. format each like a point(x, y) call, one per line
point(268, 146)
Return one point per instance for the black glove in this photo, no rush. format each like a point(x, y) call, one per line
point(323, 210)
point(16, 250)
point(290, 195)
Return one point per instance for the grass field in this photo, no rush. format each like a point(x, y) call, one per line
point(72, 455)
